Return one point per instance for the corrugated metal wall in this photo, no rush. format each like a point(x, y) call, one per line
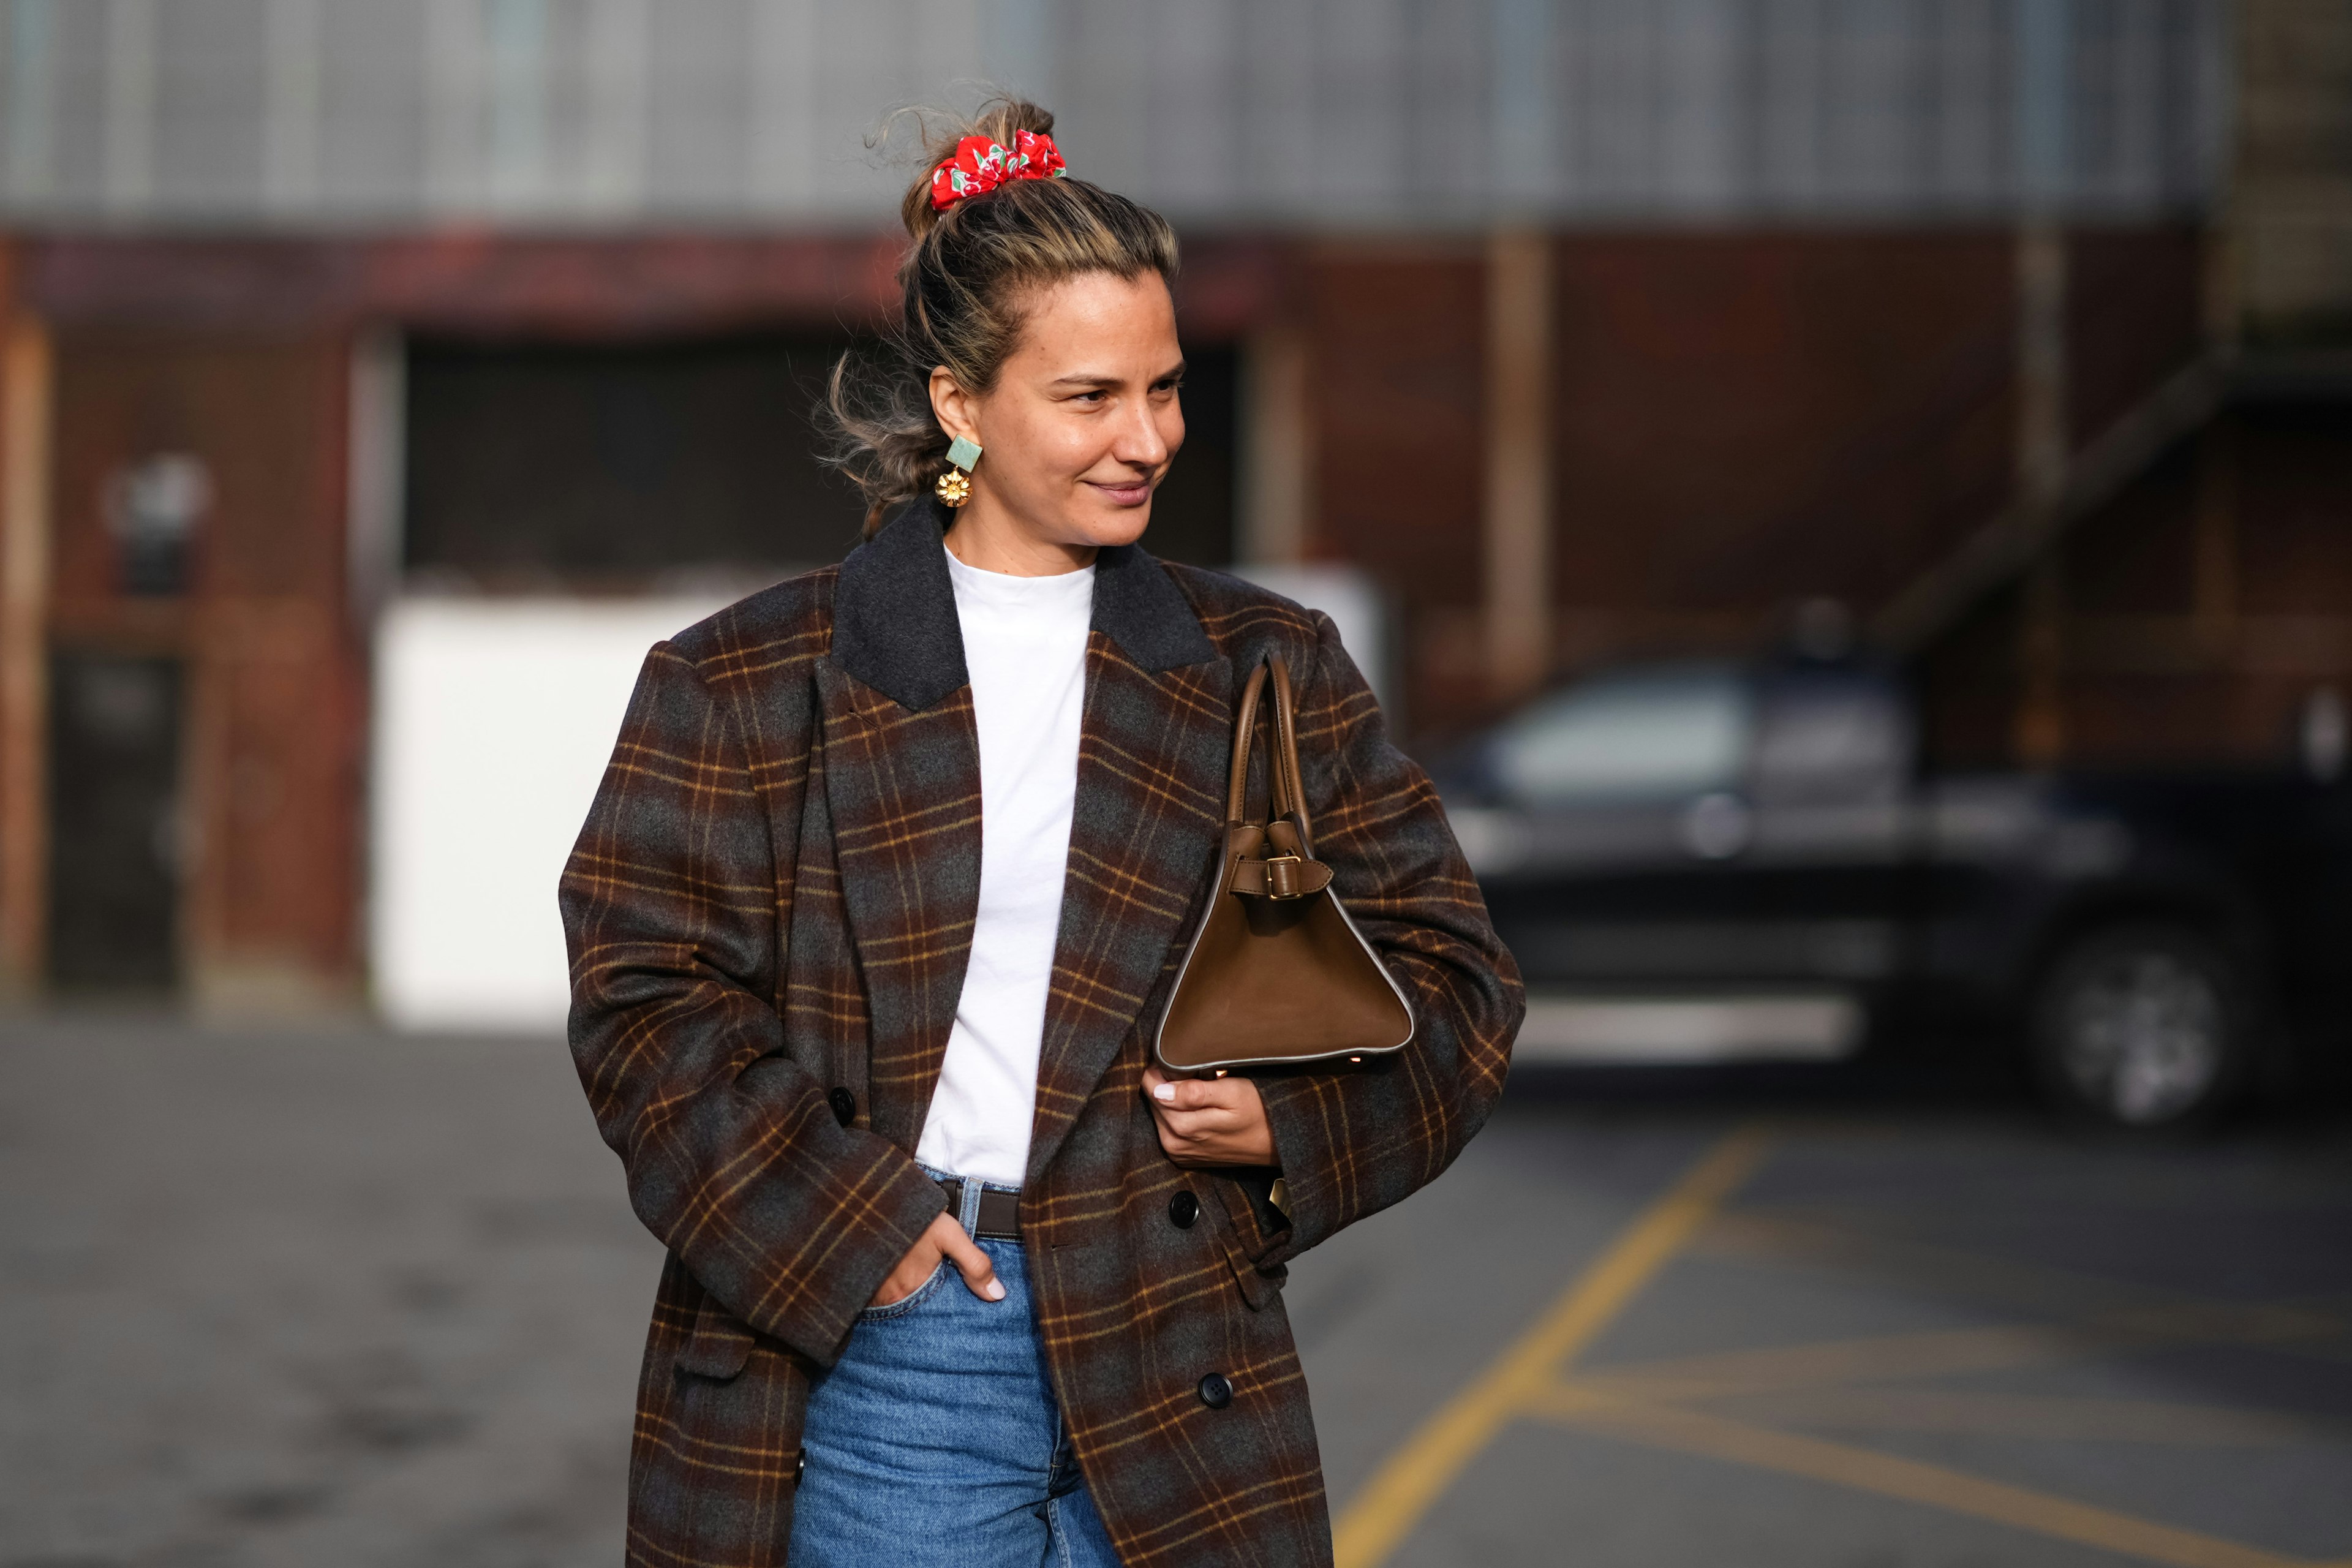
point(1391, 113)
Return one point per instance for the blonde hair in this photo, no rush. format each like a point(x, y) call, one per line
point(966, 280)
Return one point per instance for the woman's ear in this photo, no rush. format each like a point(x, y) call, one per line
point(956, 409)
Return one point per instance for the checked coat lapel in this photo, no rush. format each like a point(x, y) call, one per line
point(902, 778)
point(1143, 832)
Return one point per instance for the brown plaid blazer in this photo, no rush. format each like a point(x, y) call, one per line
point(769, 913)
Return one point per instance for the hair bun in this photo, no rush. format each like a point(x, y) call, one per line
point(1000, 120)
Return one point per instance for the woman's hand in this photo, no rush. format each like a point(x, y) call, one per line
point(1207, 1121)
point(945, 1238)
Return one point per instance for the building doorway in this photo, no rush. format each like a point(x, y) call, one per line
point(114, 784)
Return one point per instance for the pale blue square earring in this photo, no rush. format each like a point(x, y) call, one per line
point(954, 487)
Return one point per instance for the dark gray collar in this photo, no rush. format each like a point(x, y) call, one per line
point(894, 615)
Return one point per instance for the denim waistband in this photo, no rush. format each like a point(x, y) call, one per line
point(971, 1192)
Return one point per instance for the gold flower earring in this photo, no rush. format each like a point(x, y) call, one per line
point(954, 487)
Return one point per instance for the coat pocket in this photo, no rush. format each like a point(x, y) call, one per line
point(717, 1460)
point(719, 1345)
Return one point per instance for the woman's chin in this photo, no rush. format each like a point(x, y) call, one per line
point(1106, 526)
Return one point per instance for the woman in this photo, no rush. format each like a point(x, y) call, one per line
point(876, 908)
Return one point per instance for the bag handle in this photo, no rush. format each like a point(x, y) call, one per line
point(1286, 790)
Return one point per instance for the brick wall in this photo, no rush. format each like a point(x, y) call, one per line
point(1744, 422)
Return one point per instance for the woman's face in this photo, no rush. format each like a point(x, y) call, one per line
point(1080, 426)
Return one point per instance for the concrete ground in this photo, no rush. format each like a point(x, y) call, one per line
point(339, 1299)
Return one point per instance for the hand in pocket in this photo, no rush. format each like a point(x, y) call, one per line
point(944, 1239)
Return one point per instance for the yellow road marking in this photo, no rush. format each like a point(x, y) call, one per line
point(1866, 1469)
point(1384, 1513)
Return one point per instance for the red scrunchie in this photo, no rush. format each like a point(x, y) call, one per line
point(980, 164)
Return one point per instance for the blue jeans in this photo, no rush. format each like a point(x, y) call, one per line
point(935, 1442)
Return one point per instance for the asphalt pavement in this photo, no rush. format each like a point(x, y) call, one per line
point(334, 1298)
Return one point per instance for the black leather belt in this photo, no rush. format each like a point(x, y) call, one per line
point(1000, 1211)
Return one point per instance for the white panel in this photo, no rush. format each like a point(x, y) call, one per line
point(1349, 597)
point(1688, 1032)
point(494, 720)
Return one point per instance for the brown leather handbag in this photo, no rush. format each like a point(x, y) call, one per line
point(1277, 974)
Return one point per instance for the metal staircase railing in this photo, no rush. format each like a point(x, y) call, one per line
point(1935, 600)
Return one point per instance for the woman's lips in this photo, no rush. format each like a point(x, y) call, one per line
point(1131, 494)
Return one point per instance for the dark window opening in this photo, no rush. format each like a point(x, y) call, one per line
point(582, 463)
point(568, 465)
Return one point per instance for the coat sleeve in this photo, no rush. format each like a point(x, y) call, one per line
point(672, 903)
point(1350, 1143)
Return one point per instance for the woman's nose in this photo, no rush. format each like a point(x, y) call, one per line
point(1138, 440)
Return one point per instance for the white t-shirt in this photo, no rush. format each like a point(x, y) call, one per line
point(1025, 643)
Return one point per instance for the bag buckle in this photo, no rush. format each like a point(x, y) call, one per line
point(1277, 881)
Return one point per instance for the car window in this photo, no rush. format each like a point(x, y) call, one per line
point(1650, 735)
point(1831, 735)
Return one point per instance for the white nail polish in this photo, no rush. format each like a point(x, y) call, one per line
point(995, 1291)
point(1164, 1092)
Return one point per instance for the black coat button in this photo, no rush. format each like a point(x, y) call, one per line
point(1216, 1391)
point(844, 1106)
point(1183, 1210)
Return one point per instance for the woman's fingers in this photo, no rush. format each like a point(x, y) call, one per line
point(1195, 1093)
point(912, 1270)
point(970, 1262)
point(1212, 1120)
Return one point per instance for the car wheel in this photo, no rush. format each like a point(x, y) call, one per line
point(2142, 1027)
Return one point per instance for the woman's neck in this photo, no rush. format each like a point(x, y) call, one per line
point(988, 538)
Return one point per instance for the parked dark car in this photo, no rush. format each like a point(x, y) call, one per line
point(1711, 862)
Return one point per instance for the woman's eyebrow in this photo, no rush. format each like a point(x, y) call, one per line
point(1104, 378)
